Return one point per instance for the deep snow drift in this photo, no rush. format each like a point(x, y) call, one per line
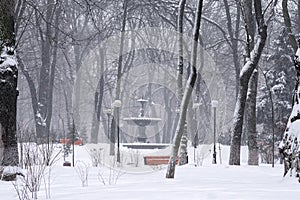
point(208, 181)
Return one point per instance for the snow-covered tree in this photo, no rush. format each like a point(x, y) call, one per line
point(8, 85)
point(252, 60)
point(289, 146)
point(275, 95)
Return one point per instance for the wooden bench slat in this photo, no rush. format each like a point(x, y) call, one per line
point(157, 157)
point(157, 160)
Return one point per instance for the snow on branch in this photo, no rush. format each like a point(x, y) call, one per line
point(8, 60)
point(255, 53)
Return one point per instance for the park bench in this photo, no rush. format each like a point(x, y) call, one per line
point(157, 160)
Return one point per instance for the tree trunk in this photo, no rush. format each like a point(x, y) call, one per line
point(298, 19)
point(245, 75)
point(98, 100)
point(272, 112)
point(167, 134)
point(183, 156)
point(233, 35)
point(112, 137)
point(183, 144)
point(8, 86)
point(180, 49)
point(77, 87)
point(116, 112)
point(32, 89)
point(187, 94)
point(53, 70)
point(42, 130)
point(43, 113)
point(288, 25)
point(250, 113)
point(251, 122)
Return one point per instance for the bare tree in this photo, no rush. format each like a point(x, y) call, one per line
point(247, 70)
point(251, 130)
point(116, 113)
point(251, 120)
point(99, 93)
point(42, 96)
point(250, 115)
point(233, 39)
point(187, 94)
point(183, 144)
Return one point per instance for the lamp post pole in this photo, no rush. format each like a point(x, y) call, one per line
point(118, 137)
point(73, 146)
point(108, 112)
point(117, 104)
point(214, 105)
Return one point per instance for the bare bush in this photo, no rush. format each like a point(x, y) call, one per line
point(21, 189)
point(112, 175)
point(135, 156)
point(201, 153)
point(97, 156)
point(37, 161)
point(35, 167)
point(82, 170)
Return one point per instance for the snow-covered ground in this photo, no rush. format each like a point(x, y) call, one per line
point(208, 181)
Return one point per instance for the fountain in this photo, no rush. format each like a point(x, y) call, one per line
point(142, 122)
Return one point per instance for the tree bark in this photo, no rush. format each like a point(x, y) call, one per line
point(251, 64)
point(49, 46)
point(187, 94)
point(183, 144)
point(53, 69)
point(233, 35)
point(272, 112)
point(98, 100)
point(8, 85)
point(251, 122)
point(298, 19)
point(180, 48)
point(288, 25)
point(116, 112)
point(250, 113)
point(32, 89)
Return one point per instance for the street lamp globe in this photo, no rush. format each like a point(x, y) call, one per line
point(214, 103)
point(117, 103)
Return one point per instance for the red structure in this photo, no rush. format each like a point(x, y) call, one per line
point(78, 141)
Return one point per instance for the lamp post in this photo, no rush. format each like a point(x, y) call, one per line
point(73, 146)
point(214, 105)
point(108, 112)
point(117, 104)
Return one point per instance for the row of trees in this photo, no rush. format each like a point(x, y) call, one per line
point(55, 40)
